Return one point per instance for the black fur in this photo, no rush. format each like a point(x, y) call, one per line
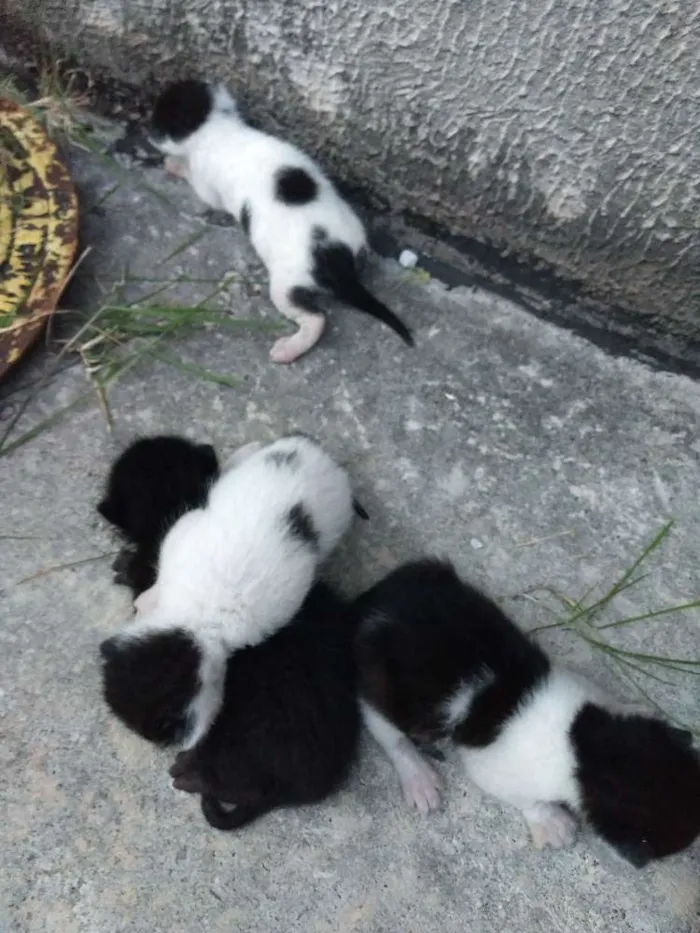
point(305, 298)
point(245, 218)
point(149, 683)
point(640, 781)
point(422, 634)
point(150, 485)
point(287, 732)
point(335, 271)
point(181, 110)
point(301, 525)
point(294, 186)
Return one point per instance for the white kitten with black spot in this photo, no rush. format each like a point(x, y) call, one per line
point(230, 574)
point(309, 238)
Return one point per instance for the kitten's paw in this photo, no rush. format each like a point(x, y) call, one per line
point(218, 218)
point(550, 825)
point(421, 784)
point(285, 350)
point(288, 349)
point(175, 167)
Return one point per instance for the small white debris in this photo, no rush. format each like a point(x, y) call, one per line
point(408, 259)
point(476, 544)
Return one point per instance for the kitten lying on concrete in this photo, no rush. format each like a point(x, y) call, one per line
point(230, 574)
point(309, 238)
point(439, 660)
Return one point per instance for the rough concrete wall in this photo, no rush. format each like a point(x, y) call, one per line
point(564, 129)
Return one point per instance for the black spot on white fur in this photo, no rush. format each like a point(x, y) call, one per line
point(150, 682)
point(640, 782)
point(245, 218)
point(301, 526)
point(424, 633)
point(335, 271)
point(181, 110)
point(294, 186)
point(305, 298)
point(283, 458)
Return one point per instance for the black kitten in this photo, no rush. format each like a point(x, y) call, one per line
point(150, 485)
point(287, 732)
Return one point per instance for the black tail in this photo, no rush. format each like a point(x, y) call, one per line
point(336, 271)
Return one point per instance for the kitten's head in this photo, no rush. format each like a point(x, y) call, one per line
point(182, 109)
point(154, 482)
point(640, 782)
point(150, 680)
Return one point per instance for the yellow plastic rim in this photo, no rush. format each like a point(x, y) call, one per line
point(38, 230)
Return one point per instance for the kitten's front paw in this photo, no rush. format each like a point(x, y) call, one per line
point(550, 825)
point(421, 784)
point(218, 218)
point(175, 167)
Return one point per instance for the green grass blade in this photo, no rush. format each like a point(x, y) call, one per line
point(207, 375)
point(695, 604)
point(38, 429)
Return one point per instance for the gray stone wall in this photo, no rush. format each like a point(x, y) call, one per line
point(565, 130)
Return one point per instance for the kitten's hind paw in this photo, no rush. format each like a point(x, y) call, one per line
point(550, 825)
point(286, 350)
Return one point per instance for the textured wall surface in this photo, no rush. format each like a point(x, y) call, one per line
point(563, 129)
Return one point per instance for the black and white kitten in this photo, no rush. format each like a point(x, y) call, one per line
point(287, 731)
point(150, 486)
point(437, 659)
point(308, 237)
point(230, 574)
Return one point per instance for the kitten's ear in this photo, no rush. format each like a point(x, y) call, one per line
point(186, 774)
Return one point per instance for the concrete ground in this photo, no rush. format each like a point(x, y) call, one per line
point(527, 455)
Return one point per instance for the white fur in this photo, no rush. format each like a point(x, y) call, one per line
point(231, 573)
point(532, 760)
point(461, 700)
point(229, 164)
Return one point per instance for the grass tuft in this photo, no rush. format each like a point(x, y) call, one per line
point(587, 618)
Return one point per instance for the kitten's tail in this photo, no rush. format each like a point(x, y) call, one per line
point(336, 271)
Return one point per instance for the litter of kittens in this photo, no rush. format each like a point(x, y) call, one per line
point(38, 231)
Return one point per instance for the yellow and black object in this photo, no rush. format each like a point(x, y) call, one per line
point(38, 230)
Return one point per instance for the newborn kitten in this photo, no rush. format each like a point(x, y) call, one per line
point(437, 659)
point(150, 485)
point(308, 237)
point(287, 731)
point(230, 574)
